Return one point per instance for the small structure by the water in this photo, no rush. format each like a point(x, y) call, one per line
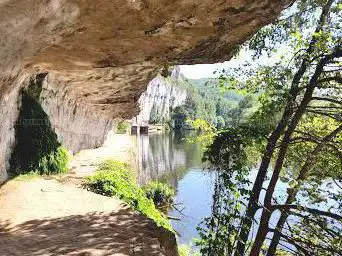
point(139, 130)
point(139, 127)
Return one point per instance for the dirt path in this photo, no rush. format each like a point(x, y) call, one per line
point(117, 146)
point(43, 216)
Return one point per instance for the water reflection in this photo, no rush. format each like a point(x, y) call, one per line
point(166, 156)
point(170, 158)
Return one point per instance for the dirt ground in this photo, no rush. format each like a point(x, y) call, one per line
point(44, 216)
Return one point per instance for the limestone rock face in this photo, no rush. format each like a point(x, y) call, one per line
point(8, 116)
point(76, 126)
point(161, 96)
point(102, 54)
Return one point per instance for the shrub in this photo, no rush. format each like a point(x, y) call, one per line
point(160, 193)
point(37, 147)
point(186, 250)
point(122, 127)
point(113, 178)
point(55, 162)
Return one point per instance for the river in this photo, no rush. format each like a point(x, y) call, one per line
point(171, 158)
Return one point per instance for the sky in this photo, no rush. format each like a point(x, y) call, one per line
point(207, 70)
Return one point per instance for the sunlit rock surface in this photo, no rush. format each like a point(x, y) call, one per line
point(161, 97)
point(100, 55)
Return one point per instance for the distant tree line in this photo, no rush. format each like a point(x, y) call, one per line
point(204, 101)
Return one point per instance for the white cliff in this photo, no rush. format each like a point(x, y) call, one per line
point(161, 97)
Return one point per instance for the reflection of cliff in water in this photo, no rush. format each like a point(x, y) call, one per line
point(166, 156)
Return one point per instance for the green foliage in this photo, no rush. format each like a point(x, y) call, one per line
point(205, 102)
point(160, 193)
point(55, 162)
point(114, 178)
point(122, 127)
point(220, 123)
point(155, 117)
point(186, 250)
point(298, 107)
point(295, 22)
point(206, 132)
point(228, 154)
point(37, 148)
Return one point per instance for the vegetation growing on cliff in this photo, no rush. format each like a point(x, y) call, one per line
point(122, 127)
point(114, 178)
point(187, 250)
point(204, 101)
point(37, 147)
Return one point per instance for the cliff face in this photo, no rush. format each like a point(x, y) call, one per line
point(76, 125)
point(100, 55)
point(161, 96)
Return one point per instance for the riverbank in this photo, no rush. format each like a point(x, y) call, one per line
point(55, 216)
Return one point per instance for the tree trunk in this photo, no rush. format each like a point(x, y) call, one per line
point(293, 192)
point(281, 222)
point(252, 207)
point(266, 215)
point(283, 150)
point(253, 201)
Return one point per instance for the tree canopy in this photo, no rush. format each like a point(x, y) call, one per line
point(295, 134)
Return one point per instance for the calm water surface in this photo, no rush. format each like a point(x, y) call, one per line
point(170, 158)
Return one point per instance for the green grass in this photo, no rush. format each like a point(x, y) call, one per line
point(114, 178)
point(160, 193)
point(55, 162)
point(27, 176)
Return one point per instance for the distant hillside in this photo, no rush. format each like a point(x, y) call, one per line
point(209, 86)
point(177, 98)
point(206, 101)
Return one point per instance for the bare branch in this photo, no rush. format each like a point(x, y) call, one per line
point(334, 116)
point(325, 107)
point(337, 79)
point(327, 99)
point(287, 207)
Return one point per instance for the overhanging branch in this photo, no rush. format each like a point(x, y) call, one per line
point(287, 207)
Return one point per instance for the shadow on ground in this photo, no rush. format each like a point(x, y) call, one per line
point(95, 233)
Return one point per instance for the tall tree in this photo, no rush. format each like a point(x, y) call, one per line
point(307, 85)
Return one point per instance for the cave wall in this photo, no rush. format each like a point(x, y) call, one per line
point(10, 100)
point(9, 111)
point(100, 55)
point(77, 126)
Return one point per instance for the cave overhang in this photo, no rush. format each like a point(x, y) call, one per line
point(100, 55)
